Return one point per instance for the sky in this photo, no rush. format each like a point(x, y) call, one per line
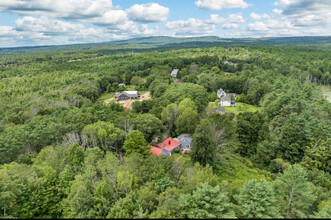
point(58, 22)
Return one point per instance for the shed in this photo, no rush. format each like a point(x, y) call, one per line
point(219, 110)
point(127, 95)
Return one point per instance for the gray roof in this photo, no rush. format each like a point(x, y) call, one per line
point(218, 110)
point(220, 92)
point(131, 94)
point(185, 140)
point(174, 72)
point(226, 98)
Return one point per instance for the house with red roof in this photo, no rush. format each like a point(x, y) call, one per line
point(166, 147)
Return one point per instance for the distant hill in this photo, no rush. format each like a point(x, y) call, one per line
point(164, 42)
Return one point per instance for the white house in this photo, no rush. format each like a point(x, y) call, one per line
point(174, 73)
point(227, 99)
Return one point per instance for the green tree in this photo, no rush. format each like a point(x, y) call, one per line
point(251, 129)
point(124, 208)
point(257, 200)
point(136, 80)
point(181, 91)
point(318, 157)
point(187, 103)
point(169, 115)
point(104, 135)
point(76, 156)
point(187, 121)
point(149, 125)
point(294, 192)
point(136, 143)
point(324, 213)
point(203, 146)
point(168, 204)
point(79, 203)
point(293, 138)
point(206, 202)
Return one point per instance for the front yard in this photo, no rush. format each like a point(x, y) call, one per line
point(240, 108)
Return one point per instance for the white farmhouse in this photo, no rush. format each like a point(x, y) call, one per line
point(227, 99)
point(174, 73)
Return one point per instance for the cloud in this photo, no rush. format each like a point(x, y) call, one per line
point(220, 4)
point(151, 12)
point(194, 26)
point(270, 24)
point(191, 27)
point(46, 25)
point(70, 9)
point(231, 22)
point(6, 31)
point(272, 28)
point(307, 12)
point(277, 11)
point(256, 16)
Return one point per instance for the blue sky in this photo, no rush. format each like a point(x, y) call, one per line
point(55, 22)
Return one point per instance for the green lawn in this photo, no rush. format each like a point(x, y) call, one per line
point(241, 107)
point(185, 159)
point(106, 96)
point(236, 170)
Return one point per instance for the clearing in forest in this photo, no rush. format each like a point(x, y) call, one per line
point(127, 104)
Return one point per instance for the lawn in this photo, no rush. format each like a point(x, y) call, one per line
point(240, 108)
point(184, 159)
point(106, 96)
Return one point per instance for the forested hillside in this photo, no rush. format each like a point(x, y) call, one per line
point(66, 153)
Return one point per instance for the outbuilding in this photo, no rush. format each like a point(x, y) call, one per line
point(127, 95)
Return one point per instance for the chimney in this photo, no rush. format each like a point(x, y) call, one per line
point(169, 142)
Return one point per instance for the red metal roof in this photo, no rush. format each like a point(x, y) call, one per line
point(169, 144)
point(156, 151)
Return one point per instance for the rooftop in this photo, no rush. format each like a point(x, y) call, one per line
point(131, 92)
point(156, 151)
point(168, 144)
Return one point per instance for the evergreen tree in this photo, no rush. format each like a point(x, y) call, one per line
point(324, 213)
point(251, 130)
point(293, 138)
point(203, 147)
point(294, 192)
point(204, 203)
point(257, 200)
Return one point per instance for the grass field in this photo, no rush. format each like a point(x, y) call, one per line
point(326, 92)
point(241, 107)
point(106, 96)
point(185, 159)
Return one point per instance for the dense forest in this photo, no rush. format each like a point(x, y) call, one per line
point(66, 153)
